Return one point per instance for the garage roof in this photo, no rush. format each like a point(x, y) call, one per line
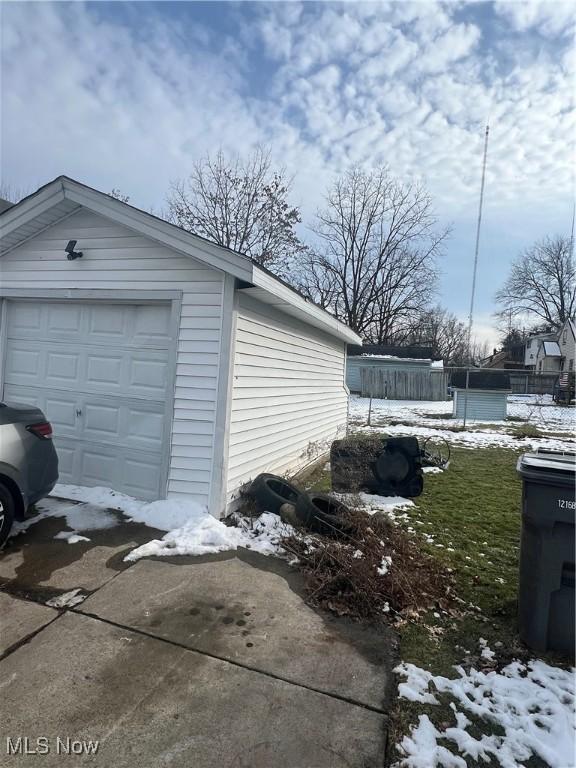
point(64, 196)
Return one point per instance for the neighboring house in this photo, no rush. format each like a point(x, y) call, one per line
point(552, 352)
point(542, 353)
point(508, 359)
point(168, 365)
point(482, 396)
point(567, 344)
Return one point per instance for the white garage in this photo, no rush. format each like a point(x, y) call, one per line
point(169, 366)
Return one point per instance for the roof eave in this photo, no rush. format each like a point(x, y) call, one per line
point(316, 316)
point(34, 205)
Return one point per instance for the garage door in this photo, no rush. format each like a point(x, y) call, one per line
point(100, 372)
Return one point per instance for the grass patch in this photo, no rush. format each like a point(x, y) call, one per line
point(526, 430)
point(468, 519)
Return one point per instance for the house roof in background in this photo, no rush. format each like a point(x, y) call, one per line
point(542, 336)
point(62, 197)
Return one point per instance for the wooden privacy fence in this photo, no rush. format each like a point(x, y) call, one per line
point(532, 383)
point(403, 385)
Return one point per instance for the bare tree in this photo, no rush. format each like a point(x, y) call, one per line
point(479, 350)
point(541, 283)
point(375, 267)
point(14, 194)
point(241, 204)
point(442, 332)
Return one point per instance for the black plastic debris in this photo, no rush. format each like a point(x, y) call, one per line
point(388, 466)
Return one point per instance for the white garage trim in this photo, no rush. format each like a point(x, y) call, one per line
point(121, 297)
point(224, 398)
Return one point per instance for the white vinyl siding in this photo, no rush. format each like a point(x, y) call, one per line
point(288, 394)
point(116, 258)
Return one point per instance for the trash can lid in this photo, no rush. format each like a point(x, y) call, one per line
point(542, 462)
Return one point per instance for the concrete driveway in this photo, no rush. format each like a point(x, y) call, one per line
point(195, 662)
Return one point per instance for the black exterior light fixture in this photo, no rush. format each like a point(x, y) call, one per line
point(71, 254)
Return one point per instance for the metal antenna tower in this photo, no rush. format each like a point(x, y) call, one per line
point(477, 248)
point(475, 270)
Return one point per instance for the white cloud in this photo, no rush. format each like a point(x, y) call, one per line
point(131, 105)
point(547, 17)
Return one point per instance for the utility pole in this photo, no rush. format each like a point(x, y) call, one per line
point(475, 270)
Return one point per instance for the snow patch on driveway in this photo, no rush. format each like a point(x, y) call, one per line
point(165, 514)
point(79, 517)
point(202, 534)
point(190, 529)
point(68, 599)
point(532, 704)
point(71, 537)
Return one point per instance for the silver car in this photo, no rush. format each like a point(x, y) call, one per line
point(28, 462)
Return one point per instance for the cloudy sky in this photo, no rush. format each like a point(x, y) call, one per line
point(127, 95)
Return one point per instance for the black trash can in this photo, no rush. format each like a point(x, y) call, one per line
point(546, 589)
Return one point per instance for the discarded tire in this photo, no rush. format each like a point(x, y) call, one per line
point(270, 492)
point(322, 513)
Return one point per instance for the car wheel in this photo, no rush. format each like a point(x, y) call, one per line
point(271, 491)
point(6, 513)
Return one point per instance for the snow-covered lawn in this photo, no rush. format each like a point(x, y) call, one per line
point(527, 710)
point(432, 419)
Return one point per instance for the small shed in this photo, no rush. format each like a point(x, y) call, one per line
point(354, 364)
point(486, 397)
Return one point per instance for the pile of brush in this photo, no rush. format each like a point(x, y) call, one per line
point(374, 571)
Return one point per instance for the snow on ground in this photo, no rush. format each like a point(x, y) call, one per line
point(432, 419)
point(202, 534)
point(190, 529)
point(71, 537)
point(531, 706)
point(166, 514)
point(79, 517)
point(67, 600)
point(372, 503)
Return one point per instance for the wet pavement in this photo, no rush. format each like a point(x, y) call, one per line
point(212, 661)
